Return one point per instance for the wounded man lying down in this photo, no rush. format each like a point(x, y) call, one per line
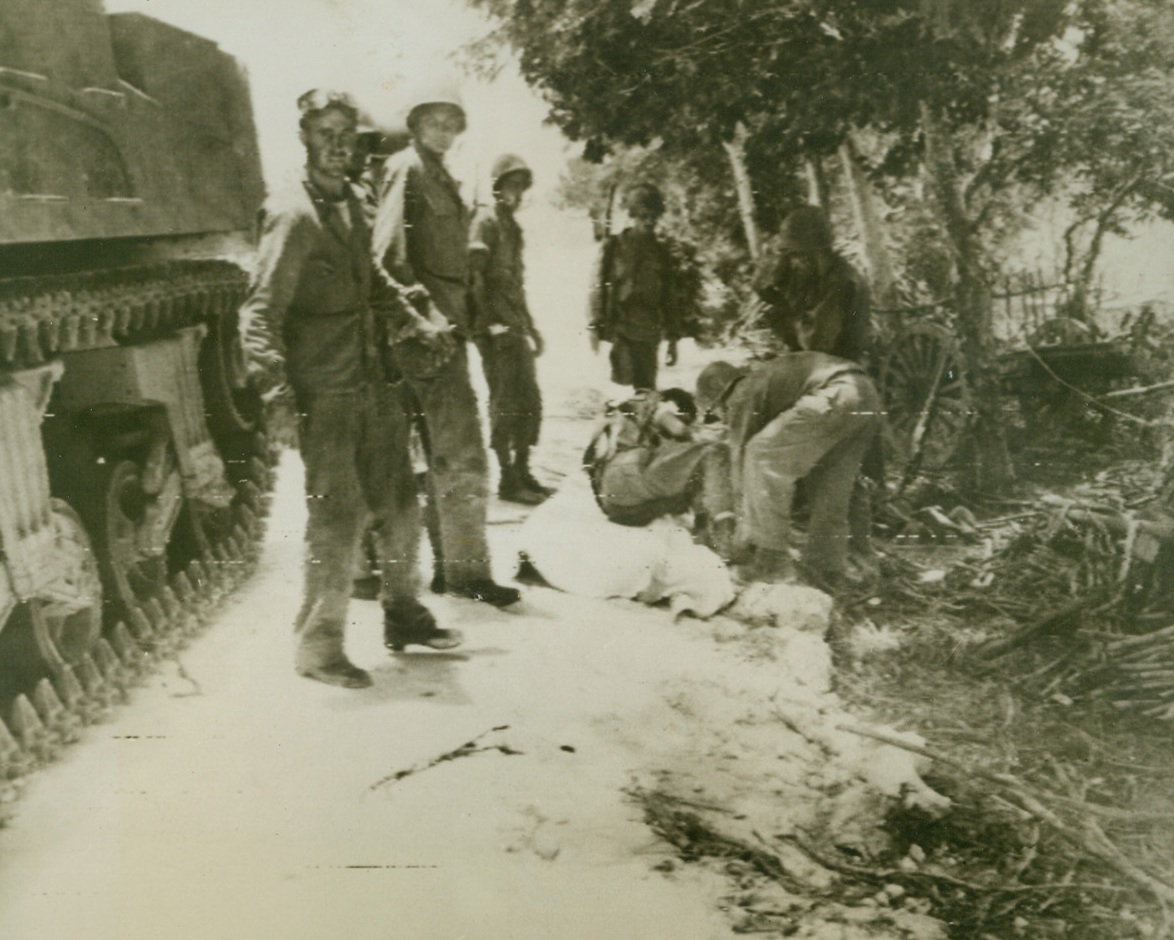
point(619, 530)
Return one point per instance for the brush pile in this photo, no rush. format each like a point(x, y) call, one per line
point(1090, 587)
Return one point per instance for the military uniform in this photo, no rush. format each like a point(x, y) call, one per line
point(639, 471)
point(816, 300)
point(503, 334)
point(311, 306)
point(634, 304)
point(421, 237)
point(803, 416)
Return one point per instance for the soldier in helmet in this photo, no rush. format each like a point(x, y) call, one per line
point(634, 300)
point(318, 309)
point(374, 146)
point(421, 240)
point(505, 332)
point(816, 301)
point(800, 416)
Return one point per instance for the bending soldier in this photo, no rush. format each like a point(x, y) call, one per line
point(818, 302)
point(634, 301)
point(505, 333)
point(803, 416)
point(317, 308)
point(421, 240)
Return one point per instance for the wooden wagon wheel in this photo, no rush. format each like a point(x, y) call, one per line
point(923, 385)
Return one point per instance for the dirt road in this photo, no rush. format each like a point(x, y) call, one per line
point(511, 788)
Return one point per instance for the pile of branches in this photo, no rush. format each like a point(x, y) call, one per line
point(1097, 582)
point(1136, 672)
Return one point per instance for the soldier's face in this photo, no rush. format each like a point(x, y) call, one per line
point(330, 143)
point(438, 127)
point(511, 191)
point(644, 219)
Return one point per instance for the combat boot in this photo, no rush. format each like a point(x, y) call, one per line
point(320, 656)
point(338, 670)
point(770, 566)
point(407, 622)
point(526, 478)
point(513, 490)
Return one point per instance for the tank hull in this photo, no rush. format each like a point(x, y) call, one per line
point(133, 457)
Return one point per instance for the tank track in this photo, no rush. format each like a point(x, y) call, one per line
point(40, 317)
point(43, 316)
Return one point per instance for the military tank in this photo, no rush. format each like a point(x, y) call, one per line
point(133, 457)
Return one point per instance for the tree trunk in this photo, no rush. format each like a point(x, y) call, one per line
point(872, 236)
point(989, 469)
point(736, 151)
point(817, 184)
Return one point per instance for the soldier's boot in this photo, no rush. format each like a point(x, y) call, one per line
point(320, 657)
point(407, 622)
point(525, 477)
point(341, 672)
point(512, 490)
point(771, 566)
point(510, 486)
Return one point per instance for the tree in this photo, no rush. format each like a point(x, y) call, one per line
point(964, 95)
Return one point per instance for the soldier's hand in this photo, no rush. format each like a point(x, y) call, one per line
point(417, 296)
point(593, 339)
point(671, 358)
point(538, 342)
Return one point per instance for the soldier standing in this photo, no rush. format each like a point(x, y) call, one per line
point(505, 332)
point(634, 303)
point(421, 239)
point(816, 300)
point(317, 308)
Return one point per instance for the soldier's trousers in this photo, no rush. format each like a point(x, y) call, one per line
point(822, 440)
point(458, 467)
point(634, 362)
point(354, 445)
point(515, 402)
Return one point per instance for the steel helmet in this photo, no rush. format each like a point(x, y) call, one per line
point(442, 91)
point(509, 163)
point(317, 100)
point(644, 196)
point(806, 229)
point(713, 382)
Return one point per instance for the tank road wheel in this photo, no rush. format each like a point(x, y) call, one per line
point(131, 574)
point(925, 393)
point(47, 633)
point(69, 622)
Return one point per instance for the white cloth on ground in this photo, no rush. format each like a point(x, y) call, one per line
point(578, 550)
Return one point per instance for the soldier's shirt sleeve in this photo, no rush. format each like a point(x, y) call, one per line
point(285, 244)
point(597, 295)
point(389, 237)
point(828, 319)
